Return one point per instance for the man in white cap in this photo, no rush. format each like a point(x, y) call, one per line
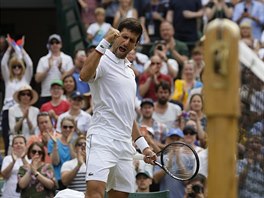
point(55, 65)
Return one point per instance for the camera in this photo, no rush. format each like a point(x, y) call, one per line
point(196, 189)
point(159, 47)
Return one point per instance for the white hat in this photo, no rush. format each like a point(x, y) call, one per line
point(26, 88)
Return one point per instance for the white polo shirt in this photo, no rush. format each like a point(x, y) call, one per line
point(113, 91)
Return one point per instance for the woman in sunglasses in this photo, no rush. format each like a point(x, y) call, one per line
point(11, 164)
point(22, 116)
point(61, 149)
point(73, 172)
point(17, 70)
point(37, 178)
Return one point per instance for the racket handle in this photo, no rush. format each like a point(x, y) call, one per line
point(138, 156)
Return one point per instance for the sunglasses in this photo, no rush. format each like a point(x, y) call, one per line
point(16, 66)
point(25, 94)
point(189, 133)
point(36, 151)
point(54, 42)
point(155, 63)
point(67, 127)
point(81, 144)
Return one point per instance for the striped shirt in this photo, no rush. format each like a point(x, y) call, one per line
point(78, 183)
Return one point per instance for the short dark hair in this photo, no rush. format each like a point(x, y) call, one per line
point(18, 136)
point(164, 85)
point(131, 24)
point(43, 114)
point(41, 146)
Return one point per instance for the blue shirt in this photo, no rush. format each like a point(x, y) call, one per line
point(256, 10)
point(64, 154)
point(82, 87)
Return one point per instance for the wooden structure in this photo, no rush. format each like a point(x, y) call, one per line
point(222, 106)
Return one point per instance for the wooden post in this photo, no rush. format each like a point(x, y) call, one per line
point(222, 106)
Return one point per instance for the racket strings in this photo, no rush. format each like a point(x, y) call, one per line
point(180, 161)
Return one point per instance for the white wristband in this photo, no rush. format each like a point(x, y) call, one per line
point(102, 46)
point(141, 143)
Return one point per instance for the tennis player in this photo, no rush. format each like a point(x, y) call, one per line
point(109, 139)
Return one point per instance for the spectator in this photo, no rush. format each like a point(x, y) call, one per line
point(53, 66)
point(73, 172)
point(60, 149)
point(218, 9)
point(151, 78)
point(169, 66)
point(252, 12)
point(111, 7)
point(153, 13)
point(16, 72)
point(164, 111)
point(250, 170)
point(11, 164)
point(246, 36)
point(175, 49)
point(125, 10)
point(98, 29)
point(45, 128)
point(79, 59)
point(159, 129)
point(198, 58)
point(184, 16)
point(69, 86)
point(183, 86)
point(87, 11)
point(22, 116)
point(190, 136)
point(37, 178)
point(81, 117)
point(56, 105)
point(143, 181)
point(175, 187)
point(196, 187)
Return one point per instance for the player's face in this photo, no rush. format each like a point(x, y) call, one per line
point(125, 43)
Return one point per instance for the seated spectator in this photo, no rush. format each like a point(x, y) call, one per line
point(53, 66)
point(69, 86)
point(146, 119)
point(197, 57)
point(169, 66)
point(175, 49)
point(182, 87)
point(97, 30)
point(60, 148)
point(151, 78)
point(45, 128)
point(165, 111)
point(143, 181)
point(73, 172)
point(81, 117)
point(11, 164)
point(37, 178)
point(22, 116)
point(56, 106)
point(247, 37)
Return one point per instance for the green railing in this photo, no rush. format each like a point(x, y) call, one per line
point(70, 26)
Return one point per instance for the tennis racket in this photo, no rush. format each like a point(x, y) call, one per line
point(178, 159)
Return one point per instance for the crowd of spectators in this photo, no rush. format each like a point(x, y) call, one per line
point(44, 130)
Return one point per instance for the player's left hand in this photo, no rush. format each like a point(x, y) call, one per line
point(150, 156)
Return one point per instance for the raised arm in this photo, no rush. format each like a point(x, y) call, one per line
point(89, 69)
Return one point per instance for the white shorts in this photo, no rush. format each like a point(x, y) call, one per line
point(110, 161)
